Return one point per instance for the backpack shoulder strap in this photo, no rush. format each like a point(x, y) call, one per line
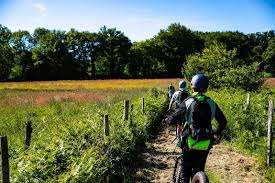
point(189, 101)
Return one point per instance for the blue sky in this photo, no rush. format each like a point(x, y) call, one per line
point(139, 19)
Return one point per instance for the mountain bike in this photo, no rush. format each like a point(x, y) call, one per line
point(199, 177)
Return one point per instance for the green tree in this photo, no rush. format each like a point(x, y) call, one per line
point(231, 40)
point(51, 58)
point(249, 47)
point(5, 35)
point(82, 46)
point(22, 43)
point(176, 42)
point(144, 60)
point(269, 57)
point(39, 33)
point(6, 55)
point(113, 46)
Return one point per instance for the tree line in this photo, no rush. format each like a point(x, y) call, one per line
point(55, 54)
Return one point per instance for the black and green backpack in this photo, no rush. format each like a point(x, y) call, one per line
point(199, 122)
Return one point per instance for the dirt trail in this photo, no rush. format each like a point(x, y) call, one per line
point(229, 165)
point(269, 82)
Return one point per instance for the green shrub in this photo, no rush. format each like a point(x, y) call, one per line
point(246, 77)
point(223, 68)
point(269, 57)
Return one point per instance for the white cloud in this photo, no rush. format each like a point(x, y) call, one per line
point(41, 8)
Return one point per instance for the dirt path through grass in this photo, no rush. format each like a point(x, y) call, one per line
point(226, 163)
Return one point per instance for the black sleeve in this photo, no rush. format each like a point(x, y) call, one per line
point(219, 116)
point(178, 115)
point(186, 95)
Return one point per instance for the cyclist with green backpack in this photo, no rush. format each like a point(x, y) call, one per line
point(197, 111)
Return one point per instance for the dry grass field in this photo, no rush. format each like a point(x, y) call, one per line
point(42, 92)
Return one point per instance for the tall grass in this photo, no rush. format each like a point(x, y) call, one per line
point(68, 143)
point(247, 129)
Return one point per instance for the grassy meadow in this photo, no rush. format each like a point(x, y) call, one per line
point(68, 143)
point(44, 92)
point(67, 118)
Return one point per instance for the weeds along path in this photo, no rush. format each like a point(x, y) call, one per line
point(232, 166)
point(227, 164)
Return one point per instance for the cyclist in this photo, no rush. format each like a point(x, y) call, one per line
point(171, 90)
point(179, 95)
point(178, 98)
point(198, 111)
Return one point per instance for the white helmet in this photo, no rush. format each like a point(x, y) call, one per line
point(182, 85)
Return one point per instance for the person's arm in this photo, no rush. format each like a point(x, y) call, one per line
point(219, 116)
point(173, 99)
point(178, 115)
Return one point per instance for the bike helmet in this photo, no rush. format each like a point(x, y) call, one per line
point(200, 83)
point(182, 85)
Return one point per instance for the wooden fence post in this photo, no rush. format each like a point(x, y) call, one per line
point(126, 110)
point(5, 160)
point(106, 125)
point(269, 133)
point(143, 107)
point(28, 133)
point(247, 102)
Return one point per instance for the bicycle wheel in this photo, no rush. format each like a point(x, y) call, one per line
point(177, 170)
point(200, 177)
